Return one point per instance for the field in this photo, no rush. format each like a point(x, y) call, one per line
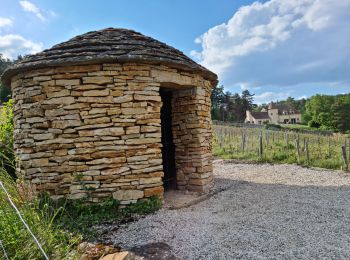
point(261, 145)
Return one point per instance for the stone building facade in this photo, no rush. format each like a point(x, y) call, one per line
point(88, 118)
point(274, 113)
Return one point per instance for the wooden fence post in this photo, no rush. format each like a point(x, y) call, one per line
point(298, 149)
point(307, 152)
point(243, 142)
point(345, 159)
point(260, 145)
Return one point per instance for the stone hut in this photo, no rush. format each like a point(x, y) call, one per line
point(112, 113)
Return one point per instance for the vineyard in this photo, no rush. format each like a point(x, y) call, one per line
point(262, 145)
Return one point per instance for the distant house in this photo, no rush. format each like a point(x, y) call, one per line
point(273, 113)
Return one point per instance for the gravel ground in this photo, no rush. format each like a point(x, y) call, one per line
point(266, 212)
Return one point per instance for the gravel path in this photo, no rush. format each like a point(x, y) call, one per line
point(266, 212)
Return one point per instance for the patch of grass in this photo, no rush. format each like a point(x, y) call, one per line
point(297, 126)
point(17, 241)
point(78, 216)
point(59, 225)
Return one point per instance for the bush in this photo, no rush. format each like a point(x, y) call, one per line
point(272, 126)
point(313, 124)
point(7, 157)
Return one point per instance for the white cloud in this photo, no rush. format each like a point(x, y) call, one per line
point(280, 43)
point(4, 22)
point(269, 96)
point(32, 8)
point(12, 45)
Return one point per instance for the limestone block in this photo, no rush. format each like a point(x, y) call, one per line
point(62, 124)
point(97, 80)
point(133, 130)
point(147, 97)
point(114, 111)
point(96, 93)
point(101, 100)
point(123, 99)
point(40, 137)
point(142, 141)
point(155, 191)
point(40, 162)
point(99, 120)
point(148, 129)
point(107, 160)
point(62, 93)
point(150, 180)
point(122, 195)
point(60, 101)
point(134, 111)
point(42, 78)
point(67, 82)
point(109, 131)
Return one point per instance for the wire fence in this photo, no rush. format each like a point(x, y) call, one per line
point(24, 223)
point(4, 251)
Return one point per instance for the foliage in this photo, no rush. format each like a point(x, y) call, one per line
point(341, 113)
point(78, 216)
point(5, 92)
point(230, 107)
point(18, 243)
point(272, 126)
point(7, 157)
point(328, 112)
point(313, 124)
point(59, 225)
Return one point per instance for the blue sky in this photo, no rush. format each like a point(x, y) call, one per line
point(275, 48)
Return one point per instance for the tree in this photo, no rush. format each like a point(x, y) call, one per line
point(5, 92)
point(328, 112)
point(341, 113)
point(217, 96)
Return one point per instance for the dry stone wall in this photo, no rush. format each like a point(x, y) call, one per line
point(94, 131)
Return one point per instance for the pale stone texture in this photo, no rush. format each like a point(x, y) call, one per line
point(94, 131)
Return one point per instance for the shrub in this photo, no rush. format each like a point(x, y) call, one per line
point(314, 124)
point(7, 157)
point(272, 126)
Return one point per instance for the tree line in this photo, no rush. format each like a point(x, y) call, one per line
point(230, 107)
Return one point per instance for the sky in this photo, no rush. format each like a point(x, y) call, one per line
point(273, 48)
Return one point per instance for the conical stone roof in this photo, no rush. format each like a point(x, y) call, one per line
point(109, 45)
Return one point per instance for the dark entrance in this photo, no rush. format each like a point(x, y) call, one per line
point(168, 150)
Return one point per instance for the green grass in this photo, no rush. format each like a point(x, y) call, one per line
point(278, 147)
point(78, 216)
point(18, 243)
point(59, 225)
point(297, 126)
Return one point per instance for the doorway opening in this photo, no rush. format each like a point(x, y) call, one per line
point(168, 149)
